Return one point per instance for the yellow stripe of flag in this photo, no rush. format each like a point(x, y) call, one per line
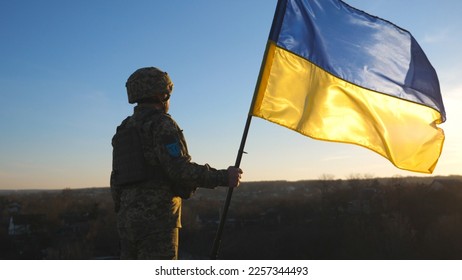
point(299, 95)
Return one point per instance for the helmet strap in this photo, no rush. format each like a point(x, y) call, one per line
point(156, 100)
point(163, 101)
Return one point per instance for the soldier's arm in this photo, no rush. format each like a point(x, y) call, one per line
point(176, 163)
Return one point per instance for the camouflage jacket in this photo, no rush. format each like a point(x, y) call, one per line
point(155, 203)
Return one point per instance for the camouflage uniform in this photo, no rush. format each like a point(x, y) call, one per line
point(149, 212)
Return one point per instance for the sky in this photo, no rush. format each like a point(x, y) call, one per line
point(64, 64)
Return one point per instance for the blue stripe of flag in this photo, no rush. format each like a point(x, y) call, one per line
point(357, 47)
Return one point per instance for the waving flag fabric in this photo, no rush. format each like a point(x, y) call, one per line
point(336, 73)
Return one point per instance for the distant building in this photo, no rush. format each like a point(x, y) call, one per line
point(14, 208)
point(18, 225)
point(22, 225)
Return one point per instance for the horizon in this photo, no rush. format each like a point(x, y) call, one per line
point(364, 177)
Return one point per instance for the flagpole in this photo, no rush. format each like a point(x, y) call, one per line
point(216, 244)
point(217, 241)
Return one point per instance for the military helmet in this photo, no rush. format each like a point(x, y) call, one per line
point(146, 83)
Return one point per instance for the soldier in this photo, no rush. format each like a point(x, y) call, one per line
point(152, 171)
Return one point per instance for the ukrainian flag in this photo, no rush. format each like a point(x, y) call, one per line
point(335, 73)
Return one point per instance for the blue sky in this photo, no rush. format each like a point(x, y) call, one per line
point(63, 67)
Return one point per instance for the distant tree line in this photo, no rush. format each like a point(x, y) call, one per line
point(66, 224)
point(358, 218)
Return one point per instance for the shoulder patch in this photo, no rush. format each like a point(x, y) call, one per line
point(174, 149)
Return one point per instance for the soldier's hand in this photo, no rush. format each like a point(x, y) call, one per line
point(234, 176)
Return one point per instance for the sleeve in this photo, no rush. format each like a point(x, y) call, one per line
point(115, 193)
point(171, 150)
